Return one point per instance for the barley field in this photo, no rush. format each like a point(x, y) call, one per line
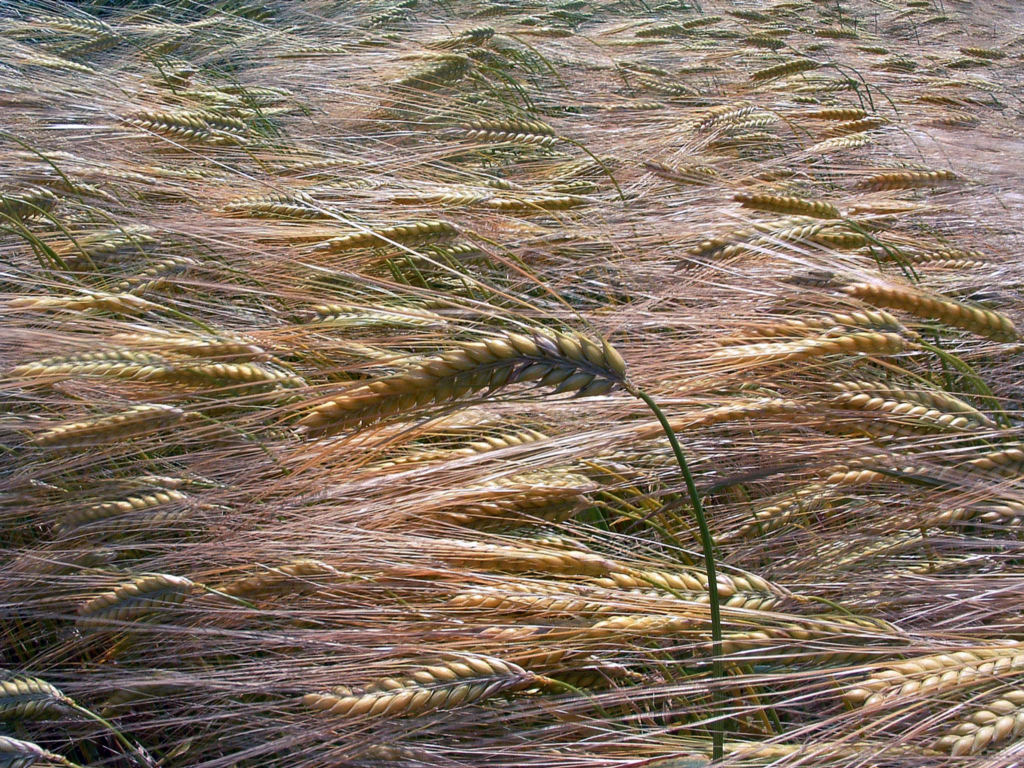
point(586, 384)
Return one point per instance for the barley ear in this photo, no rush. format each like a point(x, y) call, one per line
point(569, 362)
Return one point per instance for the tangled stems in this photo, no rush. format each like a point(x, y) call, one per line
point(708, 545)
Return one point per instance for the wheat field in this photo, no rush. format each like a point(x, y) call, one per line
point(587, 384)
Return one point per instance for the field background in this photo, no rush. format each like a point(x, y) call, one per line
point(326, 333)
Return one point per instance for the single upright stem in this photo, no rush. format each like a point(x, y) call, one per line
point(708, 545)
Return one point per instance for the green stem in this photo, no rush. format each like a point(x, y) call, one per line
point(138, 754)
point(708, 544)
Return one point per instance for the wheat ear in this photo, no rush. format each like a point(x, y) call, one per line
point(139, 503)
point(852, 141)
point(29, 698)
point(543, 599)
point(985, 322)
point(785, 69)
point(994, 723)
point(863, 125)
point(442, 686)
point(135, 598)
point(513, 559)
point(817, 346)
point(1007, 461)
point(907, 180)
point(15, 753)
point(107, 429)
point(568, 361)
point(936, 399)
point(736, 591)
point(806, 325)
point(293, 576)
point(937, 673)
point(843, 114)
point(818, 209)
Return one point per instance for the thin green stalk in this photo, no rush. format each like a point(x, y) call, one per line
point(134, 749)
point(708, 545)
